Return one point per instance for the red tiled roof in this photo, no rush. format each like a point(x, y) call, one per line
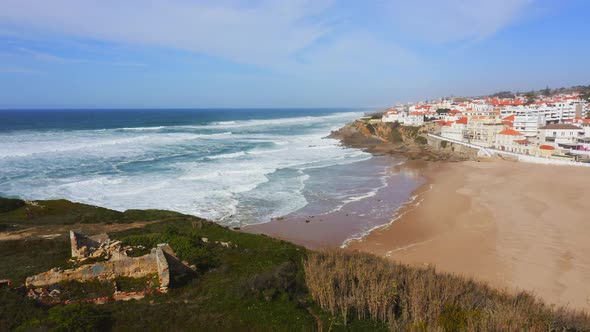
point(579, 120)
point(509, 118)
point(560, 126)
point(510, 132)
point(546, 147)
point(462, 120)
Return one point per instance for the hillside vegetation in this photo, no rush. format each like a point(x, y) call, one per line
point(257, 284)
point(362, 286)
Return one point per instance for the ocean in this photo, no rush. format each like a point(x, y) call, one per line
point(236, 167)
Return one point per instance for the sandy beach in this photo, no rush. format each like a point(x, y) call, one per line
point(515, 225)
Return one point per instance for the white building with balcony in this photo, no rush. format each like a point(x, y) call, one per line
point(561, 135)
point(528, 120)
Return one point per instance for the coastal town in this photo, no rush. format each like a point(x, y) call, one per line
point(549, 125)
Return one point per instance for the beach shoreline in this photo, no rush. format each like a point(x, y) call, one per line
point(354, 219)
point(513, 225)
point(497, 222)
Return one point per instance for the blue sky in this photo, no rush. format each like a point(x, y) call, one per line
point(290, 53)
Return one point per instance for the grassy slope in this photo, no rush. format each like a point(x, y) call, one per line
point(258, 285)
point(63, 212)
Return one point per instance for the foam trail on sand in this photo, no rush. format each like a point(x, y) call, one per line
point(412, 203)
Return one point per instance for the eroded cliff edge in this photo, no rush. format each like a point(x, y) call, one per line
point(391, 138)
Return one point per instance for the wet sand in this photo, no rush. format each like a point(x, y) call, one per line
point(515, 225)
point(355, 219)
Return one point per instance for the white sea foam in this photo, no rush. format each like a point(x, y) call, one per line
point(181, 168)
point(227, 155)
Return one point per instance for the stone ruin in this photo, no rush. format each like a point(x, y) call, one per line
point(115, 263)
point(86, 246)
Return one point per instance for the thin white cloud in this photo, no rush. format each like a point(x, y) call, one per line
point(281, 35)
point(251, 32)
point(453, 20)
point(20, 70)
point(354, 53)
point(43, 56)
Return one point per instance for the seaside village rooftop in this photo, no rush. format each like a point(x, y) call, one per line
point(555, 126)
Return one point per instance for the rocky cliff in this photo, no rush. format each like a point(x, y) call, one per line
point(394, 139)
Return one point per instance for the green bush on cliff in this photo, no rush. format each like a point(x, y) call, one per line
point(78, 317)
point(9, 204)
point(411, 131)
point(421, 140)
point(396, 136)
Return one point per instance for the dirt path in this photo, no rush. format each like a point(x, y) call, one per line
point(55, 231)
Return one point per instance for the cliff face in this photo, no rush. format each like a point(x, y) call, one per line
point(395, 139)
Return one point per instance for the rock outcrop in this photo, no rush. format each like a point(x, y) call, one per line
point(387, 138)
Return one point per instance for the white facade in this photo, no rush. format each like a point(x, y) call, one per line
point(558, 112)
point(483, 130)
point(414, 119)
point(528, 121)
point(393, 116)
point(411, 119)
point(456, 131)
point(561, 133)
point(512, 141)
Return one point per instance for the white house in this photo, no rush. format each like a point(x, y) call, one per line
point(408, 119)
point(456, 130)
point(512, 141)
point(452, 115)
point(528, 120)
point(393, 116)
point(414, 119)
point(482, 130)
point(564, 134)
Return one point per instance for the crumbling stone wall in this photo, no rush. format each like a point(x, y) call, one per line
point(161, 261)
point(162, 265)
point(81, 245)
point(134, 267)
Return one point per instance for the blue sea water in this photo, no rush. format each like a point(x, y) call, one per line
point(234, 166)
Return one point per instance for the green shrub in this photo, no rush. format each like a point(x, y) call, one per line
point(285, 281)
point(396, 136)
point(421, 140)
point(9, 204)
point(78, 318)
point(15, 309)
